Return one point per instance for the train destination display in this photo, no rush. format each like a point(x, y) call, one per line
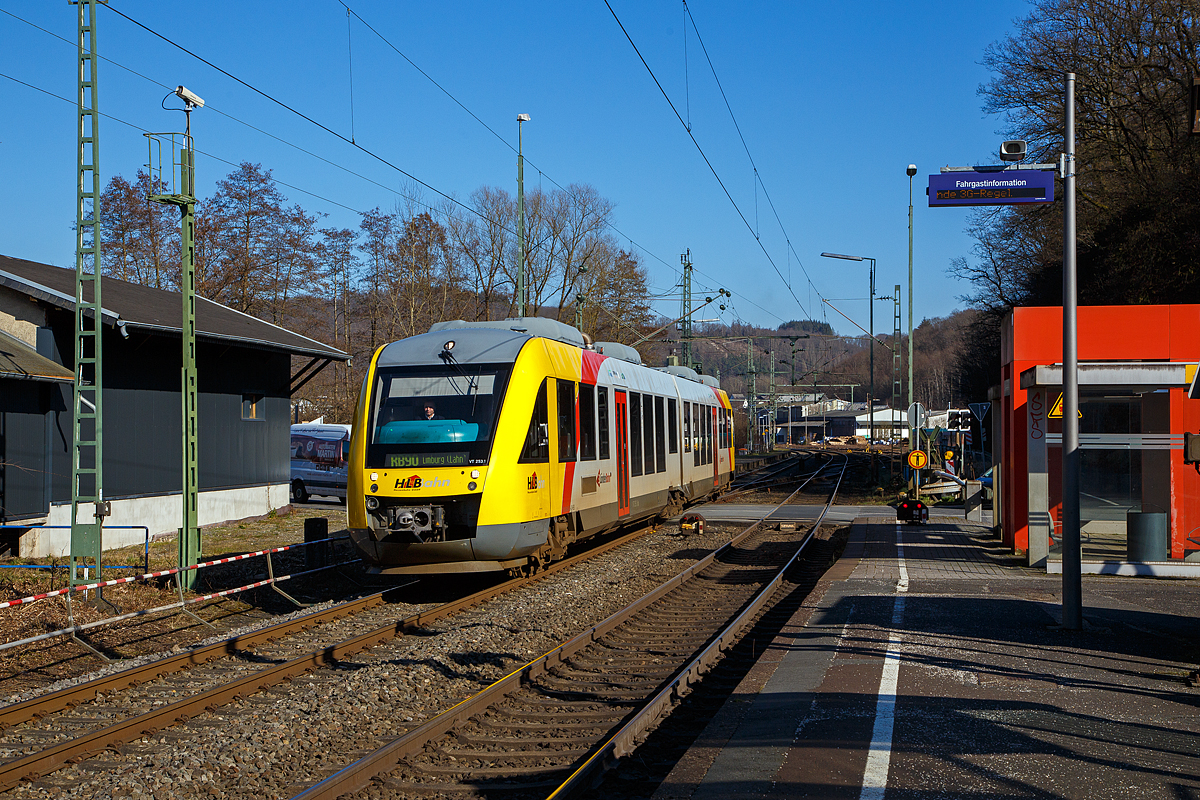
point(991, 188)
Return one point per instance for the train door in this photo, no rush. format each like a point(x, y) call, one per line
point(715, 441)
point(622, 422)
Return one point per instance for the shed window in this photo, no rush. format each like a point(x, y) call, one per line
point(252, 407)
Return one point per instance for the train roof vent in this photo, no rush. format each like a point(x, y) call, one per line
point(709, 380)
point(681, 372)
point(534, 326)
point(618, 350)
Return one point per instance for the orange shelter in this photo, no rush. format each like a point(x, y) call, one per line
point(1135, 366)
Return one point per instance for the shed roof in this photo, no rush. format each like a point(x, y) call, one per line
point(21, 362)
point(147, 308)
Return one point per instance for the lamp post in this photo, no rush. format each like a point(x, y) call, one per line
point(520, 218)
point(871, 333)
point(911, 171)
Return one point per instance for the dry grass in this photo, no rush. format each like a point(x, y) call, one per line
point(44, 662)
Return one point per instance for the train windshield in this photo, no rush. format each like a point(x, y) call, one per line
point(434, 416)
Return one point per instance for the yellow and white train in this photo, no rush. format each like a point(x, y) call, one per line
point(483, 446)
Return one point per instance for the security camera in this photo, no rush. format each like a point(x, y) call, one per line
point(192, 99)
point(912, 170)
point(1013, 150)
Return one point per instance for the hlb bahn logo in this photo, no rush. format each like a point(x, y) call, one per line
point(532, 483)
point(417, 482)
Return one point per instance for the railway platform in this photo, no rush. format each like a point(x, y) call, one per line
point(928, 663)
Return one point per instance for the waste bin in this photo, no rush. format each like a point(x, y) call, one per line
point(1147, 536)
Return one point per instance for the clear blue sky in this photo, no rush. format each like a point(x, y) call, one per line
point(834, 101)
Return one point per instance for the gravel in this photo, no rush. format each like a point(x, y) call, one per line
point(273, 743)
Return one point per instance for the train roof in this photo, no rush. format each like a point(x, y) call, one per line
point(532, 326)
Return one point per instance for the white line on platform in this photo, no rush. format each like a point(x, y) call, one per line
point(879, 757)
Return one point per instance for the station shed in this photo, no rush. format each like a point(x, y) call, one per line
point(247, 369)
point(1139, 503)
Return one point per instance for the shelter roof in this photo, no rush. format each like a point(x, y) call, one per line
point(143, 307)
point(21, 362)
point(1132, 376)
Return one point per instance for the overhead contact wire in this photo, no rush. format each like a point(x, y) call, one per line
point(703, 155)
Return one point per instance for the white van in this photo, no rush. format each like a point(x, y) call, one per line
point(319, 456)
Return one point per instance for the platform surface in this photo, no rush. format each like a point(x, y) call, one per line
point(934, 668)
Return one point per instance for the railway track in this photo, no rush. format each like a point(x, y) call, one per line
point(551, 727)
point(159, 694)
point(201, 679)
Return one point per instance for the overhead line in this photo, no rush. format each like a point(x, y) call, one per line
point(703, 155)
point(738, 128)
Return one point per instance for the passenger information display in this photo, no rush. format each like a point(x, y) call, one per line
point(999, 188)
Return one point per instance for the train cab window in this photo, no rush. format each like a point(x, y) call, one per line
point(635, 433)
point(672, 425)
point(602, 418)
point(587, 423)
point(660, 434)
point(566, 420)
point(434, 415)
point(648, 432)
point(697, 455)
point(537, 438)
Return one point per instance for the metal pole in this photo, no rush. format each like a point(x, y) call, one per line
point(912, 170)
point(88, 507)
point(871, 382)
point(189, 534)
point(520, 218)
point(1072, 585)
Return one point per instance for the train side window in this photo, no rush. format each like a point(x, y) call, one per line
point(672, 425)
point(537, 439)
point(566, 420)
point(697, 456)
point(660, 434)
point(648, 432)
point(602, 416)
point(687, 427)
point(635, 433)
point(587, 423)
point(706, 427)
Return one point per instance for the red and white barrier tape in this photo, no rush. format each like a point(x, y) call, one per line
point(83, 587)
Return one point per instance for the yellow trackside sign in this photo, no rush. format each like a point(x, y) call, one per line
point(1056, 410)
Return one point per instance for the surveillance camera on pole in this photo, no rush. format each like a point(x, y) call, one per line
point(189, 97)
point(1013, 150)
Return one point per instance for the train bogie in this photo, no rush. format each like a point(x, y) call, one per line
point(482, 446)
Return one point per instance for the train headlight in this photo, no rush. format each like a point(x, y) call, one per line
point(471, 486)
point(372, 503)
point(474, 473)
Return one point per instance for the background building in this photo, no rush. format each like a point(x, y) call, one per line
point(245, 378)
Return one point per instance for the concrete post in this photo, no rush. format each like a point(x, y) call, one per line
point(973, 501)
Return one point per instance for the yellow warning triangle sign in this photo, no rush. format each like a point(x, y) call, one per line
point(1056, 409)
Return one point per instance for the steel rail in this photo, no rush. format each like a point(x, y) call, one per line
point(626, 739)
point(354, 777)
point(46, 761)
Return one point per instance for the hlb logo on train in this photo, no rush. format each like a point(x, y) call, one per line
point(417, 482)
point(533, 483)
